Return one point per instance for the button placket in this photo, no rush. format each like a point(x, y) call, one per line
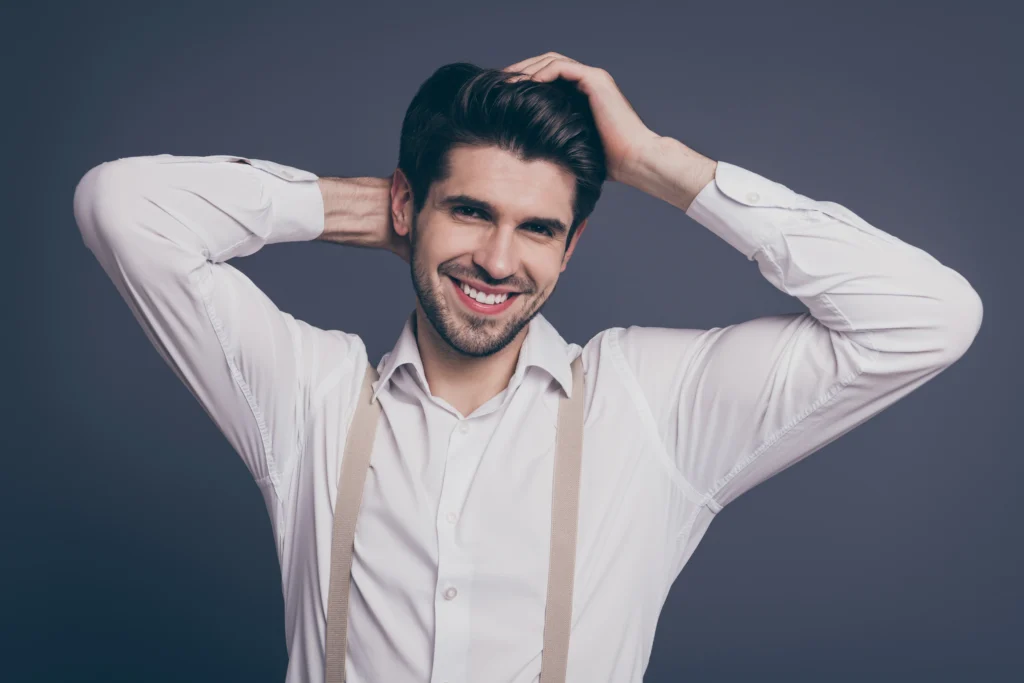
point(453, 476)
point(455, 469)
point(454, 569)
point(456, 476)
point(453, 631)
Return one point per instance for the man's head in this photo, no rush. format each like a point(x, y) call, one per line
point(494, 185)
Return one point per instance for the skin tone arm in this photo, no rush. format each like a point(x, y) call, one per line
point(357, 213)
point(671, 171)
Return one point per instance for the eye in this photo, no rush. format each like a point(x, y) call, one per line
point(535, 227)
point(467, 208)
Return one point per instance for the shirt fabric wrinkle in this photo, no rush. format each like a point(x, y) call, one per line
point(449, 572)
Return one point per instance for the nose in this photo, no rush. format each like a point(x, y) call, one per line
point(497, 252)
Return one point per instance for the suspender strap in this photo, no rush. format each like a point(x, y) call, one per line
point(565, 496)
point(356, 460)
point(564, 515)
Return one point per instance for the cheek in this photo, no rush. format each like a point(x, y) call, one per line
point(442, 242)
point(544, 275)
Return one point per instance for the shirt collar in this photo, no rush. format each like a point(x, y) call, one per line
point(543, 347)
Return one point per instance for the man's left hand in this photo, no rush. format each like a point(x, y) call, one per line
point(623, 134)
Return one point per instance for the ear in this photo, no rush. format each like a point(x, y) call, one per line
point(572, 245)
point(401, 203)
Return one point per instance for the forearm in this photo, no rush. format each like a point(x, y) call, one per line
point(671, 171)
point(357, 211)
point(854, 278)
point(209, 208)
point(885, 296)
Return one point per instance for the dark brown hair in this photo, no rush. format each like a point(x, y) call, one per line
point(462, 103)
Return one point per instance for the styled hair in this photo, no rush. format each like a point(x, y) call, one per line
point(462, 103)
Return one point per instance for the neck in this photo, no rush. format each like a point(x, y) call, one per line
point(465, 382)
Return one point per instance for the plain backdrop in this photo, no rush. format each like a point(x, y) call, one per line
point(137, 548)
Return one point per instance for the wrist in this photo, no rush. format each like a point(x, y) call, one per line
point(357, 211)
point(671, 171)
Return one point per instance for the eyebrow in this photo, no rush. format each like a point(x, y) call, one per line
point(556, 226)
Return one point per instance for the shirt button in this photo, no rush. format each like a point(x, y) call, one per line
point(451, 517)
point(464, 428)
point(753, 196)
point(450, 593)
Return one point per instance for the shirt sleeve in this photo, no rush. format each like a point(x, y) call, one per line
point(162, 227)
point(736, 405)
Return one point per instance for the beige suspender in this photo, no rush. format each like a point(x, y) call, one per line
point(564, 512)
point(565, 498)
point(354, 464)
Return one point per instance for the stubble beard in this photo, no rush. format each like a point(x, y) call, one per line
point(476, 335)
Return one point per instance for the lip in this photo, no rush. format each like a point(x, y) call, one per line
point(476, 306)
point(480, 287)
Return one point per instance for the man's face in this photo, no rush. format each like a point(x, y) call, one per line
point(496, 223)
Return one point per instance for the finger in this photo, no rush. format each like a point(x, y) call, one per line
point(526, 63)
point(569, 70)
point(526, 67)
point(531, 70)
point(520, 64)
point(536, 66)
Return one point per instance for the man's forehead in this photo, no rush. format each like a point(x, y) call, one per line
point(470, 160)
point(500, 178)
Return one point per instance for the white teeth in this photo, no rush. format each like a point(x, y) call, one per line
point(491, 299)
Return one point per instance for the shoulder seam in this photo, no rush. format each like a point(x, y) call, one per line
point(823, 400)
point(236, 374)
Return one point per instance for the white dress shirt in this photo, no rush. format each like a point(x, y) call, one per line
point(451, 549)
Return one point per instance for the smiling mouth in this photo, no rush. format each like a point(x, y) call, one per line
point(460, 283)
point(479, 306)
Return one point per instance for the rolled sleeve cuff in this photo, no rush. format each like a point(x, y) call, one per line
point(297, 204)
point(737, 205)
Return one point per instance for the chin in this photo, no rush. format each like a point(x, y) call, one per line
point(477, 335)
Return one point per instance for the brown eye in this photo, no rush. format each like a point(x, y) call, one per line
point(467, 208)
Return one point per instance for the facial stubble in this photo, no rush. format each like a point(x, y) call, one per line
point(469, 335)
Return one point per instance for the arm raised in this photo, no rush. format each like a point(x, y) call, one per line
point(163, 228)
point(738, 404)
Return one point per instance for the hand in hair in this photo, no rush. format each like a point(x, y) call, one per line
point(623, 134)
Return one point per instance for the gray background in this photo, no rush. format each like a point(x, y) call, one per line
point(137, 548)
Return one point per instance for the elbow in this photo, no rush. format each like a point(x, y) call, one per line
point(101, 199)
point(964, 312)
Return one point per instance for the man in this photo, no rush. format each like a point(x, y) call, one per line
point(497, 174)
